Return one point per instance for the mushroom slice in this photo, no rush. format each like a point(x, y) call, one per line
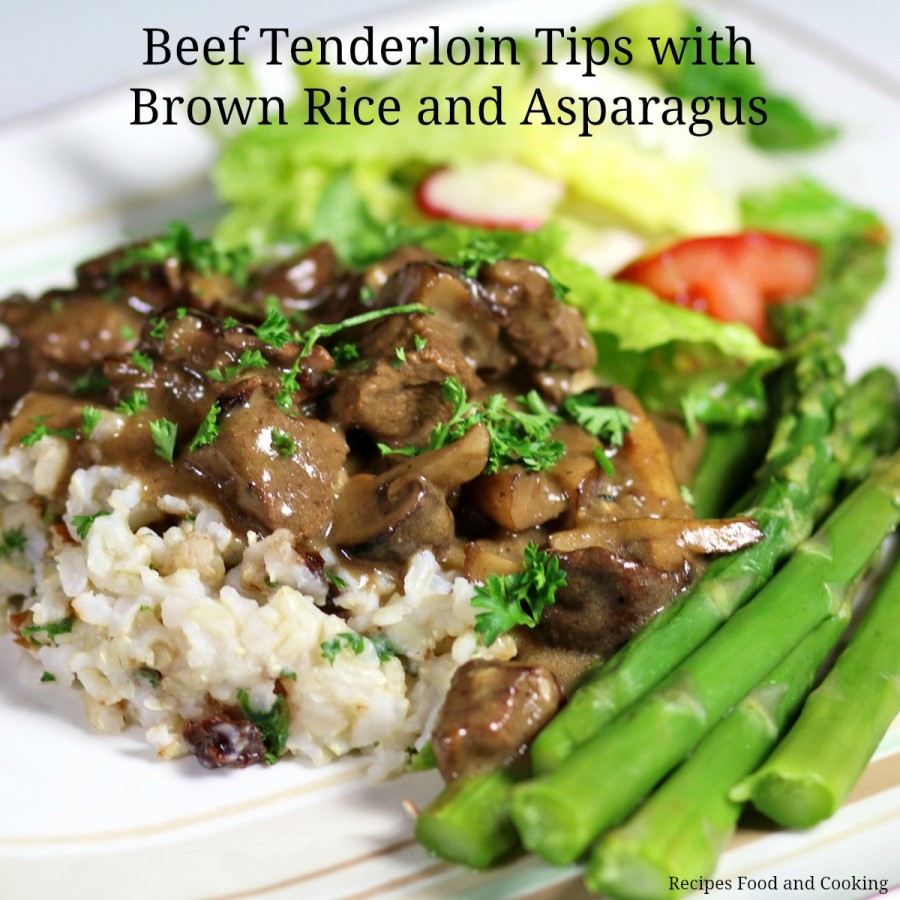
point(517, 500)
point(391, 516)
point(659, 541)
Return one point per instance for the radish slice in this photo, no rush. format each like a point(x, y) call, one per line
point(489, 195)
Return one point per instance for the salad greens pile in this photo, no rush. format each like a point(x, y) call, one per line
point(789, 406)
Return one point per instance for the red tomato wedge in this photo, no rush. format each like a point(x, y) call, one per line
point(731, 278)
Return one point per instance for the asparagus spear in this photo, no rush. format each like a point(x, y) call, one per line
point(686, 823)
point(813, 770)
point(721, 477)
point(559, 814)
point(470, 824)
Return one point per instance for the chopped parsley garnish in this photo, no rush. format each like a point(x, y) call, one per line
point(479, 252)
point(164, 433)
point(420, 342)
point(400, 355)
point(275, 329)
point(142, 361)
point(152, 675)
point(366, 294)
point(288, 673)
point(90, 419)
point(273, 724)
point(520, 598)
point(283, 443)
point(199, 254)
point(48, 676)
point(383, 647)
point(249, 359)
point(484, 251)
point(82, 524)
point(517, 436)
point(345, 353)
point(230, 322)
point(133, 403)
point(127, 333)
point(284, 399)
point(90, 382)
point(41, 431)
point(336, 580)
point(315, 334)
point(158, 329)
point(330, 649)
point(208, 430)
point(181, 312)
point(12, 540)
point(609, 423)
point(51, 630)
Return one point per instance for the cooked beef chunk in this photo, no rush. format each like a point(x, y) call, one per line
point(606, 599)
point(378, 273)
point(278, 471)
point(311, 284)
point(458, 304)
point(490, 716)
point(55, 339)
point(399, 401)
point(543, 332)
point(219, 742)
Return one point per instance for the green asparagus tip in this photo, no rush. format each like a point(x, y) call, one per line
point(792, 802)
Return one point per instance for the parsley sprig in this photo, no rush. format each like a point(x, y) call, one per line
point(82, 524)
point(164, 432)
point(384, 649)
point(308, 339)
point(208, 430)
point(522, 436)
point(289, 379)
point(485, 251)
point(249, 359)
point(133, 403)
point(40, 431)
point(272, 724)
point(608, 423)
point(283, 443)
point(12, 540)
point(90, 419)
point(199, 254)
point(520, 598)
point(51, 630)
point(275, 330)
point(517, 435)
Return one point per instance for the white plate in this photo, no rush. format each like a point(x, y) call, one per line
point(90, 816)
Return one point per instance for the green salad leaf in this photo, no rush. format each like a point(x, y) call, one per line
point(788, 125)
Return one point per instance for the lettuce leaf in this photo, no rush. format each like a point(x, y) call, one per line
point(787, 127)
point(274, 178)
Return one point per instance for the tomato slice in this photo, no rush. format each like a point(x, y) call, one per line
point(731, 277)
